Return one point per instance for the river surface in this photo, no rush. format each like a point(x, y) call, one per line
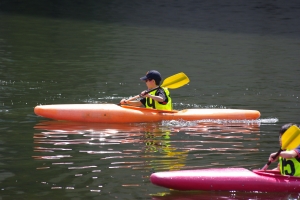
point(237, 54)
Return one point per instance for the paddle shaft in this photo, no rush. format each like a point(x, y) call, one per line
point(274, 157)
point(137, 96)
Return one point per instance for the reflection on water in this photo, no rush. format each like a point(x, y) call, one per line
point(81, 155)
point(177, 195)
point(119, 141)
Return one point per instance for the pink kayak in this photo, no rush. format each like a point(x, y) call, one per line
point(227, 179)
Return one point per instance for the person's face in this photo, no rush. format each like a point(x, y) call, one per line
point(149, 82)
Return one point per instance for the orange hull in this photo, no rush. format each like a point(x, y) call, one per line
point(112, 113)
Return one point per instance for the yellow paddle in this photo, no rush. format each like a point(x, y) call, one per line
point(175, 81)
point(289, 140)
point(172, 82)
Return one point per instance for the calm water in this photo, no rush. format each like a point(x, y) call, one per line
point(236, 54)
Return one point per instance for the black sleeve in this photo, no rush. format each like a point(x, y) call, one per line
point(160, 92)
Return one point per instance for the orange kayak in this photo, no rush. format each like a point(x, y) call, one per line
point(112, 113)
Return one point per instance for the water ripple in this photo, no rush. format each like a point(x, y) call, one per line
point(93, 154)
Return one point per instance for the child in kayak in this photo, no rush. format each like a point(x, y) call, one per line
point(289, 159)
point(159, 99)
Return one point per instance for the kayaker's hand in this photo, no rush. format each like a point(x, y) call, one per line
point(271, 157)
point(144, 94)
point(123, 101)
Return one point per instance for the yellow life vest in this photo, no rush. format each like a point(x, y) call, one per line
point(289, 166)
point(150, 103)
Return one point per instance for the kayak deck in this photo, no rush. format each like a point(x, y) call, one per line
point(227, 179)
point(112, 113)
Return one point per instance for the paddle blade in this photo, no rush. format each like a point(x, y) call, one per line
point(176, 81)
point(291, 138)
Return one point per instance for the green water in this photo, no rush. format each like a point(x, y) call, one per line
point(242, 56)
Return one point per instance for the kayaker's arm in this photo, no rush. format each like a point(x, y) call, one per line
point(155, 98)
point(131, 103)
point(283, 154)
point(288, 154)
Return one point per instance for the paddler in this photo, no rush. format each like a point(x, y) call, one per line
point(158, 99)
point(289, 159)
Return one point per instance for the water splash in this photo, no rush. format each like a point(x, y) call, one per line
point(183, 123)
